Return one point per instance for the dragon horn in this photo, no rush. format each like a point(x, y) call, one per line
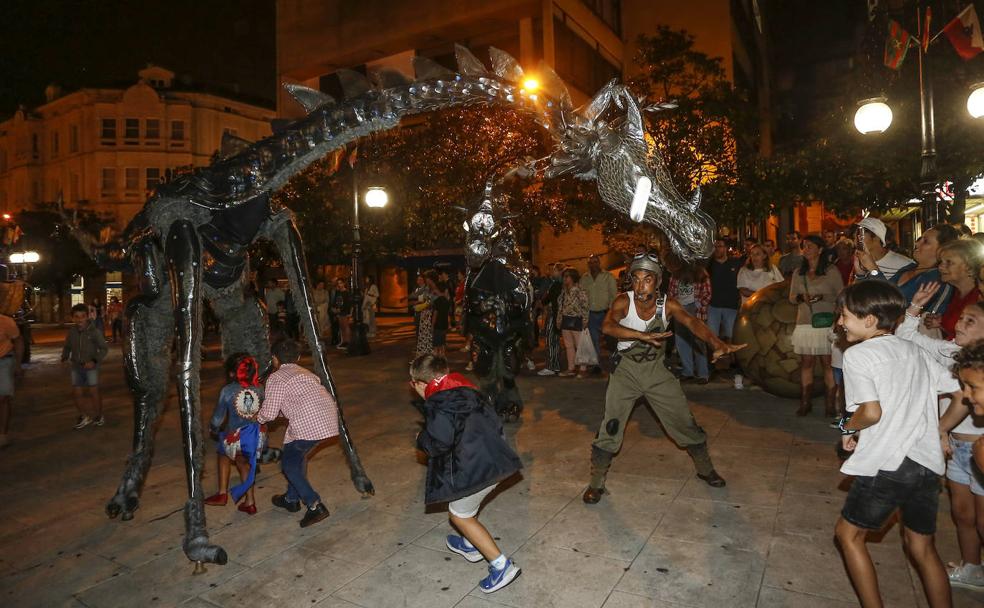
point(426, 68)
point(353, 83)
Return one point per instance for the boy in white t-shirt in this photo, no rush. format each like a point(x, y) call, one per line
point(891, 389)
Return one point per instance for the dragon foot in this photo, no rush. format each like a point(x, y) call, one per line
point(363, 485)
point(123, 505)
point(199, 550)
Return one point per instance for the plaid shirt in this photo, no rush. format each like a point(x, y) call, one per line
point(702, 295)
point(297, 395)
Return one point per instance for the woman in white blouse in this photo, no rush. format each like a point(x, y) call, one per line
point(758, 273)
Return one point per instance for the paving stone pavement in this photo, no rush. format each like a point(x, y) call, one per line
point(661, 538)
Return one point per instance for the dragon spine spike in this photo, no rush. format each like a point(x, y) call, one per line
point(426, 68)
point(468, 64)
point(353, 83)
point(309, 98)
point(554, 86)
point(232, 145)
point(505, 65)
point(388, 78)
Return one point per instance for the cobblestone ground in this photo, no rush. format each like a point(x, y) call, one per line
point(662, 538)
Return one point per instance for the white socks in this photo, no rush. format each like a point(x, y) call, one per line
point(467, 544)
point(500, 562)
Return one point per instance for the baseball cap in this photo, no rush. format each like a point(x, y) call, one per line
point(875, 226)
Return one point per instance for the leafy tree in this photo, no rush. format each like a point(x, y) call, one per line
point(440, 162)
point(849, 171)
point(705, 140)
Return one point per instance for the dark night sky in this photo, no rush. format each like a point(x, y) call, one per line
point(219, 44)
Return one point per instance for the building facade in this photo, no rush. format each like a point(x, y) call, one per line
point(108, 148)
point(587, 42)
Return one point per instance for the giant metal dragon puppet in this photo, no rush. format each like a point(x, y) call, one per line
point(189, 241)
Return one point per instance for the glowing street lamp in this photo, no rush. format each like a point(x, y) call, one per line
point(975, 103)
point(873, 116)
point(376, 197)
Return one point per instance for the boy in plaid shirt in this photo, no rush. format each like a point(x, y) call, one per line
point(312, 416)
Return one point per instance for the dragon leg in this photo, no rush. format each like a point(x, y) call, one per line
point(288, 241)
point(183, 252)
point(244, 323)
point(148, 328)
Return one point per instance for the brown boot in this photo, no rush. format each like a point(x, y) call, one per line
point(601, 461)
point(704, 466)
point(806, 400)
point(830, 405)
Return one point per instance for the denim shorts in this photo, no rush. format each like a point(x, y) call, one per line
point(85, 377)
point(961, 468)
point(913, 489)
point(838, 376)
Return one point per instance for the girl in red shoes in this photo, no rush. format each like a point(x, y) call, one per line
point(243, 438)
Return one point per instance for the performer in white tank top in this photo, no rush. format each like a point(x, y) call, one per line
point(633, 321)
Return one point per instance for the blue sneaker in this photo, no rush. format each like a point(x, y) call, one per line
point(497, 579)
point(462, 548)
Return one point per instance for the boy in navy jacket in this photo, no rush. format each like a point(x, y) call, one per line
point(467, 458)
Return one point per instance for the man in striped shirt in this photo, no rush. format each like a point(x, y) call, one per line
point(312, 416)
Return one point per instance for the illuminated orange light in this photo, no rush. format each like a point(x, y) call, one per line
point(531, 84)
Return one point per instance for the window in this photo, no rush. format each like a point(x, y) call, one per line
point(131, 129)
point(177, 130)
point(132, 176)
point(152, 129)
point(108, 128)
point(73, 138)
point(153, 178)
point(54, 144)
point(108, 180)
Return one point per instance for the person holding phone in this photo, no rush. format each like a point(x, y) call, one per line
point(873, 257)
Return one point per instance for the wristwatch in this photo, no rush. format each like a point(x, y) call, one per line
point(874, 273)
point(842, 423)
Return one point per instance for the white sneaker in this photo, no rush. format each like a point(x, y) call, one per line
point(99, 421)
point(739, 382)
point(83, 422)
point(546, 371)
point(530, 365)
point(968, 576)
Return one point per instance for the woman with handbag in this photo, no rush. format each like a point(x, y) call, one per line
point(573, 318)
point(814, 287)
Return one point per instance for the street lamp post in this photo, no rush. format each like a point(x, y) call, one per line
point(375, 197)
point(874, 116)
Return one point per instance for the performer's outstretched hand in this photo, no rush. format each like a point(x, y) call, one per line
point(726, 349)
point(656, 338)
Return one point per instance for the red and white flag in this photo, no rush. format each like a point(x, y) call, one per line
point(964, 33)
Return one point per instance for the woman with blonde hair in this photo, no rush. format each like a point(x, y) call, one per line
point(960, 266)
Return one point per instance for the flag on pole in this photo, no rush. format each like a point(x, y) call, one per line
point(925, 32)
point(897, 44)
point(964, 33)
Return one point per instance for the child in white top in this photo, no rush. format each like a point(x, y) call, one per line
point(965, 480)
point(891, 388)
